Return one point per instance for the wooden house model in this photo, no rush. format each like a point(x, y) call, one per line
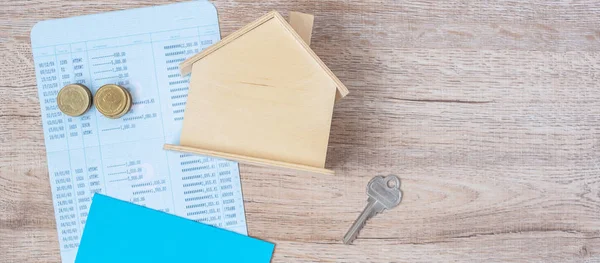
point(261, 96)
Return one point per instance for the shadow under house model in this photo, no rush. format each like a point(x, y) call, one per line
point(261, 96)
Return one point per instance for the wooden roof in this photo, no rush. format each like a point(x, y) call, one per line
point(186, 66)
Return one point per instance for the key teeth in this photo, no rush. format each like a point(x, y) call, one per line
point(350, 241)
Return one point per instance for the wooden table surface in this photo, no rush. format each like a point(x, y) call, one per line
point(489, 111)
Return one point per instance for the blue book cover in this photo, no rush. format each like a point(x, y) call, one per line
point(118, 231)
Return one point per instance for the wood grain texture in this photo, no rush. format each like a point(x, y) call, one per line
point(488, 110)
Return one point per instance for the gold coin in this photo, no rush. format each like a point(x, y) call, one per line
point(74, 99)
point(111, 100)
point(127, 106)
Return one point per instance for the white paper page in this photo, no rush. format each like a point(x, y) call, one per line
point(139, 49)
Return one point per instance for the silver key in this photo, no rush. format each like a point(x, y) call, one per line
point(384, 193)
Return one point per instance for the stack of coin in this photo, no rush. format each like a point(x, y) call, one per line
point(74, 99)
point(113, 101)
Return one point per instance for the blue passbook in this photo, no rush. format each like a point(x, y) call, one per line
point(117, 231)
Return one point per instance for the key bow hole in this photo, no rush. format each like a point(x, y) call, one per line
point(391, 183)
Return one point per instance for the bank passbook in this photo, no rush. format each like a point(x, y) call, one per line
point(122, 232)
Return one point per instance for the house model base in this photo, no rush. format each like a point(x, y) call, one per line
point(249, 160)
point(261, 96)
